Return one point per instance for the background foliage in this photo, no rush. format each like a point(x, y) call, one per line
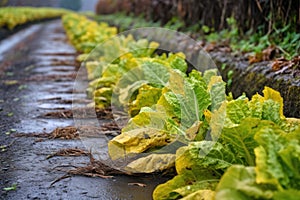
point(249, 14)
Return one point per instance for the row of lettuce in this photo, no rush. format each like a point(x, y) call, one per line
point(10, 17)
point(222, 148)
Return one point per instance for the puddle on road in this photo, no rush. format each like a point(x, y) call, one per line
point(10, 42)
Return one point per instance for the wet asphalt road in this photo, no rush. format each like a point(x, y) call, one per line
point(37, 69)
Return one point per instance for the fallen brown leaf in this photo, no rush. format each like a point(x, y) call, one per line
point(283, 64)
point(266, 55)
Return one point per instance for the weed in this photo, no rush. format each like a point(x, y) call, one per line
point(285, 39)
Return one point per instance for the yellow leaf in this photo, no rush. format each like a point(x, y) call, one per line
point(152, 163)
point(270, 93)
point(136, 141)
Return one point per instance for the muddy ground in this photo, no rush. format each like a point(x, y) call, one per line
point(37, 71)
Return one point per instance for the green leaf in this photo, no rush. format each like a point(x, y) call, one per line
point(128, 84)
point(290, 124)
point(256, 106)
point(204, 155)
point(290, 156)
point(241, 138)
point(156, 74)
point(102, 97)
point(268, 107)
point(147, 96)
point(195, 78)
point(147, 118)
point(287, 195)
point(94, 69)
point(194, 100)
point(143, 48)
point(276, 172)
point(208, 74)
point(268, 169)
point(101, 82)
point(113, 70)
point(126, 94)
point(198, 98)
point(177, 61)
point(216, 121)
point(236, 111)
point(169, 103)
point(239, 182)
point(184, 184)
point(274, 95)
point(176, 82)
point(278, 157)
point(216, 88)
point(199, 166)
point(200, 194)
point(271, 111)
